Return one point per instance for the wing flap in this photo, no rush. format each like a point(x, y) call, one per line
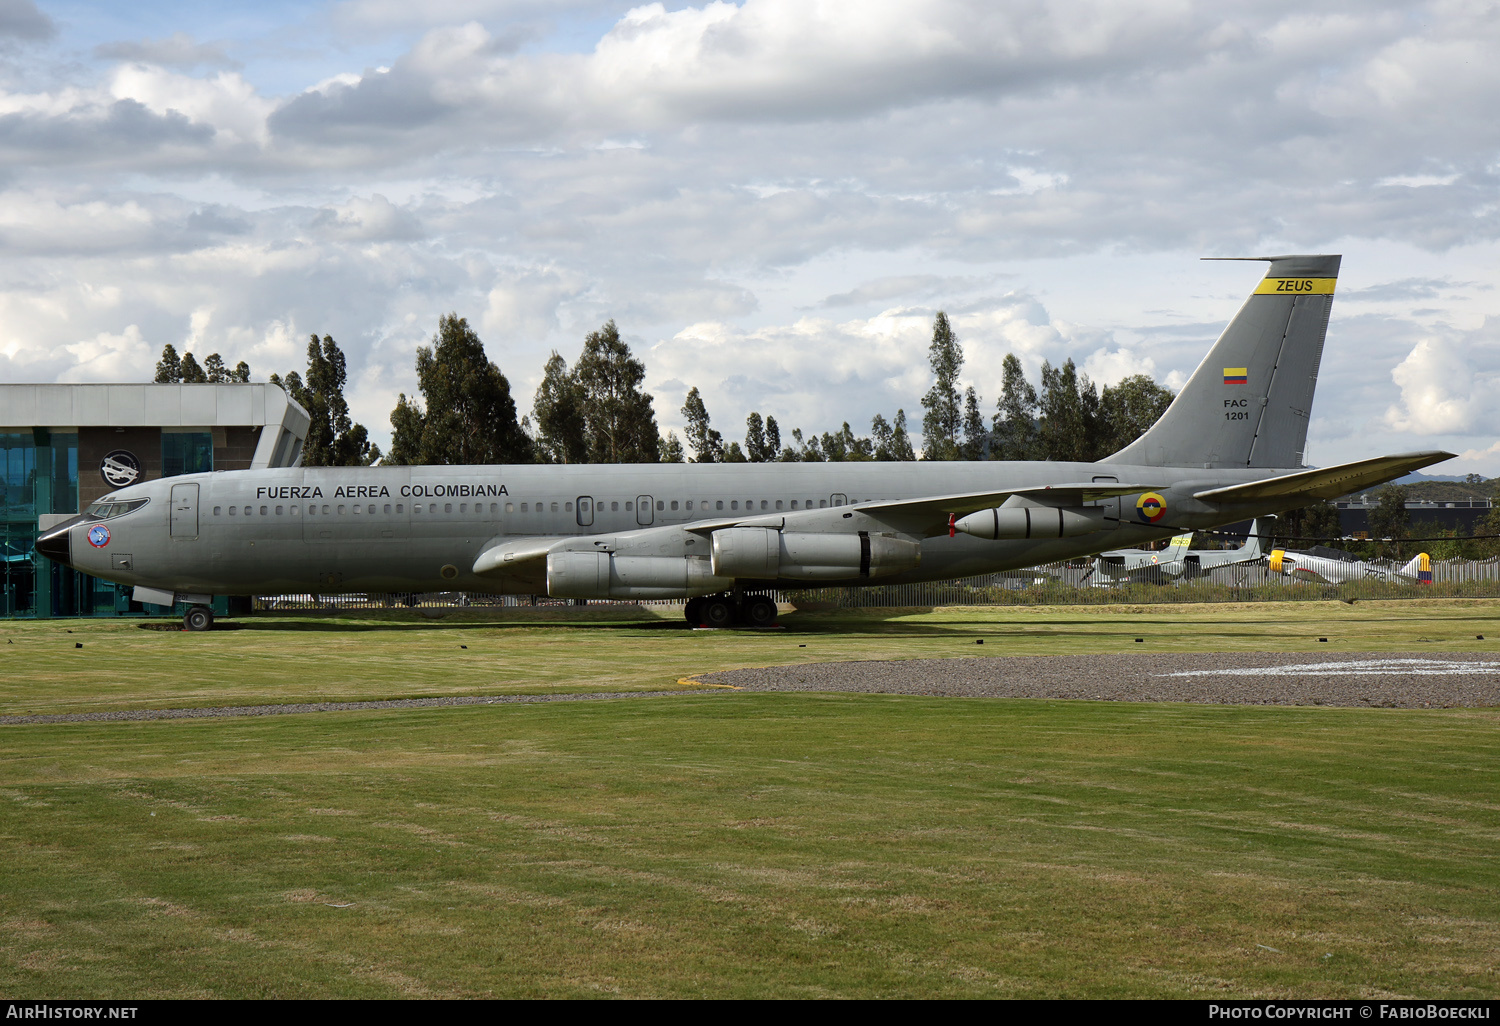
point(1326, 482)
point(505, 553)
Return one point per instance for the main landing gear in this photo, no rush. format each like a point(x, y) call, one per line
point(198, 618)
point(731, 611)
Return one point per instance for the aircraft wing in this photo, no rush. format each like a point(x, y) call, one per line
point(1326, 482)
point(929, 515)
point(1305, 573)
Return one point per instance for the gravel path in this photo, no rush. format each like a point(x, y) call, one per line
point(1398, 680)
point(1403, 680)
point(213, 712)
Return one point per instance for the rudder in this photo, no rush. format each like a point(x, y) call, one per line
point(1248, 403)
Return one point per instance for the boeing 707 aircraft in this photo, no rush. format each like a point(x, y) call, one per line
point(1229, 448)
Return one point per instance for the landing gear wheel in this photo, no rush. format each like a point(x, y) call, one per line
point(717, 612)
point(693, 611)
point(199, 618)
point(759, 611)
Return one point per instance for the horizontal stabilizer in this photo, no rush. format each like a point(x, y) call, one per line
point(1326, 482)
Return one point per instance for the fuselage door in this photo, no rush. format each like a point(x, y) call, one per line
point(585, 511)
point(643, 512)
point(184, 511)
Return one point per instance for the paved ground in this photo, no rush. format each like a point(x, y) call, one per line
point(1406, 680)
point(1398, 680)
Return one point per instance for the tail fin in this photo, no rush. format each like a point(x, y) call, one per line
point(1420, 567)
point(1251, 548)
point(1179, 544)
point(1247, 404)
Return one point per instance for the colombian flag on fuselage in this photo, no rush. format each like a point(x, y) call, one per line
point(1236, 375)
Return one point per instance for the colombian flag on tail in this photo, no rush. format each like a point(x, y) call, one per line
point(1236, 375)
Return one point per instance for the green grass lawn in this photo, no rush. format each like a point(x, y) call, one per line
point(736, 844)
point(269, 659)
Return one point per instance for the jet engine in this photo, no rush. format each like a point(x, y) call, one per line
point(606, 575)
point(765, 554)
point(1021, 522)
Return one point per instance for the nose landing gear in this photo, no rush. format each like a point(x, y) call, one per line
point(198, 618)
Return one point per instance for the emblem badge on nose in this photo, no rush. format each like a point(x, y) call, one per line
point(98, 536)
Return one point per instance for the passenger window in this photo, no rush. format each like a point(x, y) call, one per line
point(763, 504)
point(387, 508)
point(263, 511)
point(778, 503)
point(249, 510)
point(371, 509)
point(660, 505)
point(494, 508)
point(325, 510)
point(629, 506)
point(568, 506)
point(232, 509)
point(734, 504)
point(689, 504)
point(341, 510)
point(294, 510)
point(614, 507)
point(311, 510)
point(447, 507)
point(674, 504)
point(554, 507)
point(463, 507)
point(280, 510)
point(719, 504)
point(398, 507)
point(510, 507)
point(524, 509)
point(822, 503)
point(794, 504)
point(217, 510)
point(417, 508)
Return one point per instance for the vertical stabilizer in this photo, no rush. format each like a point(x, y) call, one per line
point(1248, 403)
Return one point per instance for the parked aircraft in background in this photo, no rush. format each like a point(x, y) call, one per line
point(1336, 570)
point(1175, 561)
point(721, 535)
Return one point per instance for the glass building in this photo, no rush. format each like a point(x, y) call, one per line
point(63, 446)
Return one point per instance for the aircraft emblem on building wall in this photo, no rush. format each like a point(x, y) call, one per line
point(120, 468)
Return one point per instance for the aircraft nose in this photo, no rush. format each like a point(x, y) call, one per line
point(55, 544)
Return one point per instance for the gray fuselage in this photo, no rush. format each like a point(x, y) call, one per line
point(399, 529)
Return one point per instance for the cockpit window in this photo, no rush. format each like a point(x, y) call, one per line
point(106, 508)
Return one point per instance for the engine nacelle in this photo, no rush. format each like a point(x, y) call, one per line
point(605, 575)
point(765, 554)
point(1022, 522)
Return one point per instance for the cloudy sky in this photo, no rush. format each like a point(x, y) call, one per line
point(771, 199)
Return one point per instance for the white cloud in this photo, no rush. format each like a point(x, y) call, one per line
point(1441, 393)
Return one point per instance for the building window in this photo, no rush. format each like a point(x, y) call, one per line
point(186, 452)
